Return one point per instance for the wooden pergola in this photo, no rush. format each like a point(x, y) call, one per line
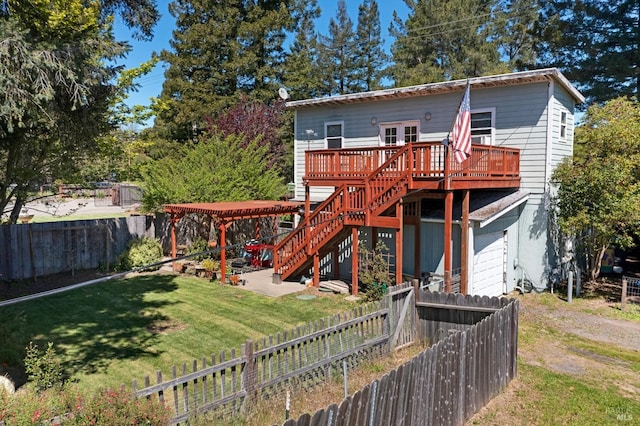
point(226, 213)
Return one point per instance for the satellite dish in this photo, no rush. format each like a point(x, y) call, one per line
point(282, 92)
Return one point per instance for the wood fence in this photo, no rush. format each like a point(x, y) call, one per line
point(302, 357)
point(471, 359)
point(447, 383)
point(38, 249)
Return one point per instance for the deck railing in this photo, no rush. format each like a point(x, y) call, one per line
point(424, 160)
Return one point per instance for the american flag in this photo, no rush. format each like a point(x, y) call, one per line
point(461, 133)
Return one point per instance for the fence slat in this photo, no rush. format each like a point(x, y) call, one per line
point(446, 383)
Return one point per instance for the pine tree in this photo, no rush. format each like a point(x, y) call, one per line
point(513, 31)
point(303, 77)
point(201, 77)
point(221, 50)
point(337, 54)
point(371, 59)
point(595, 43)
point(443, 40)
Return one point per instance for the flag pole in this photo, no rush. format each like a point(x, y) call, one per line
point(447, 167)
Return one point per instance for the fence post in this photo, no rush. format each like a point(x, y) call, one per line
point(248, 373)
point(416, 287)
point(390, 326)
point(623, 298)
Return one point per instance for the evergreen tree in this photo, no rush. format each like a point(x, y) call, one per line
point(595, 43)
point(443, 40)
point(220, 50)
point(303, 76)
point(56, 82)
point(201, 77)
point(215, 169)
point(371, 59)
point(338, 53)
point(512, 29)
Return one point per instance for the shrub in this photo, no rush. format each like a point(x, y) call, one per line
point(374, 271)
point(210, 265)
point(375, 291)
point(140, 252)
point(197, 246)
point(44, 370)
point(118, 407)
point(69, 407)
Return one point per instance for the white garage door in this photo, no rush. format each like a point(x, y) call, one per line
point(488, 264)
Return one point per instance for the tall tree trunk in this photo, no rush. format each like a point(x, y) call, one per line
point(17, 207)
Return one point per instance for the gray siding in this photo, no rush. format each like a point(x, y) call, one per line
point(562, 148)
point(432, 246)
point(520, 122)
point(527, 117)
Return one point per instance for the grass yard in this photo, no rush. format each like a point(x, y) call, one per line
point(113, 332)
point(578, 364)
point(41, 218)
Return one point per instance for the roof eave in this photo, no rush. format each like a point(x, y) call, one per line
point(444, 87)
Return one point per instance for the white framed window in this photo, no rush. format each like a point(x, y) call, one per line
point(483, 126)
point(334, 133)
point(399, 133)
point(563, 125)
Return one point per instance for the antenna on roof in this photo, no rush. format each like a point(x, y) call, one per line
point(282, 92)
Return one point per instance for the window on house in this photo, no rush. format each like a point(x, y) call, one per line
point(398, 133)
point(333, 132)
point(482, 125)
point(411, 134)
point(390, 136)
point(563, 125)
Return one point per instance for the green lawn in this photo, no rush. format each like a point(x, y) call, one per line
point(113, 332)
point(88, 216)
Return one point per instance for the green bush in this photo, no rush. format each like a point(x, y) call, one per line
point(117, 407)
point(44, 370)
point(197, 246)
point(69, 407)
point(375, 291)
point(140, 252)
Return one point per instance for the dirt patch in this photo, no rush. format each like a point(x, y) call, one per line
point(578, 339)
point(165, 327)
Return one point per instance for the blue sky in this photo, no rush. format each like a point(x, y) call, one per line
point(151, 84)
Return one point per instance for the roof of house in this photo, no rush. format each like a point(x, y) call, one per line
point(484, 206)
point(523, 77)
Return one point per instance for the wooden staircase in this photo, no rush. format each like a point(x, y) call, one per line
point(353, 204)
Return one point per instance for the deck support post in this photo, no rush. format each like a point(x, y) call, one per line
point(316, 269)
point(448, 213)
point(174, 251)
point(418, 248)
point(223, 252)
point(399, 238)
point(464, 246)
point(354, 260)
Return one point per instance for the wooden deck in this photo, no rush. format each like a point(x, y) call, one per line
point(425, 165)
point(369, 184)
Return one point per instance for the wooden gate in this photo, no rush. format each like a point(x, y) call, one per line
point(401, 300)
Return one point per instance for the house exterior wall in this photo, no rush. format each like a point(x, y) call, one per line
point(527, 117)
point(509, 224)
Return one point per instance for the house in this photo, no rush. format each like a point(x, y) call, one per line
point(374, 167)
